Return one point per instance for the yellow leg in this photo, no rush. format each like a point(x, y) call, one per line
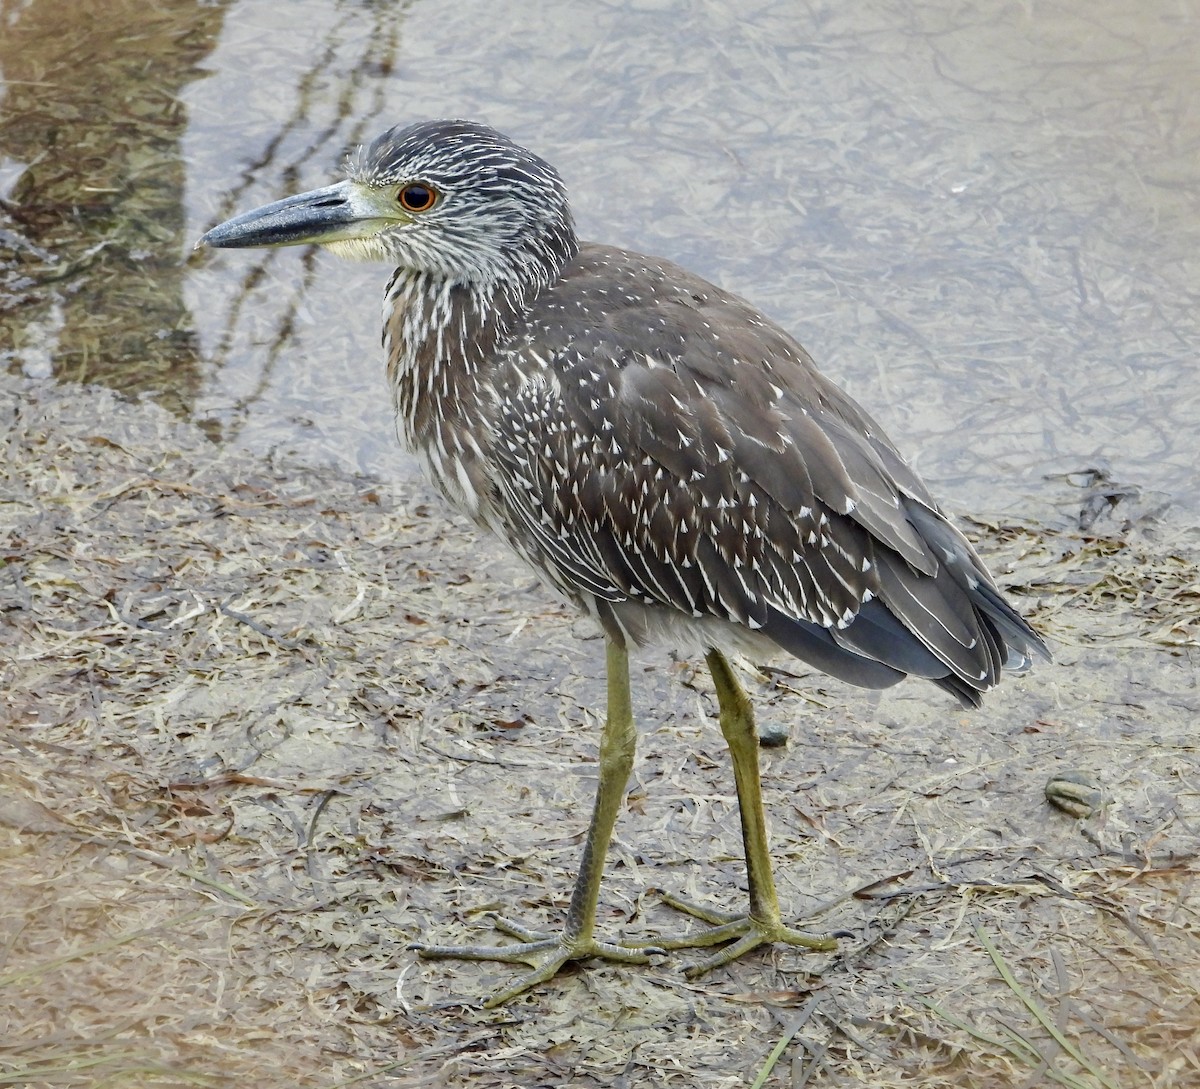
point(764, 923)
point(546, 954)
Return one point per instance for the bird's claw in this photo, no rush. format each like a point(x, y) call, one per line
point(745, 932)
point(545, 953)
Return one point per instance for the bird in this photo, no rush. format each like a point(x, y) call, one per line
point(662, 455)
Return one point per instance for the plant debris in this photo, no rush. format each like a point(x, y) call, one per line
point(265, 724)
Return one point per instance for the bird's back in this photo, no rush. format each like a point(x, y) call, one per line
point(671, 459)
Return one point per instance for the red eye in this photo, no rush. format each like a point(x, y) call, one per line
point(417, 197)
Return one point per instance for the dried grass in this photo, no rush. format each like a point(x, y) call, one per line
point(266, 724)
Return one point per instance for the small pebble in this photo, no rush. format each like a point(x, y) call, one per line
point(774, 735)
point(1075, 792)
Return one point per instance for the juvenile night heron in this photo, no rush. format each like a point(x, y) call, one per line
point(657, 451)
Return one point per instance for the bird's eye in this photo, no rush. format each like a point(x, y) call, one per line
point(417, 197)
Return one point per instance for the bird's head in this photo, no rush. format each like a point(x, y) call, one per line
point(456, 200)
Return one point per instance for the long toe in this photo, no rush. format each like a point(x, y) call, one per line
point(519, 953)
point(545, 955)
point(744, 932)
point(552, 961)
point(752, 935)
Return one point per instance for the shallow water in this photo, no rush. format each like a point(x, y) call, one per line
point(982, 219)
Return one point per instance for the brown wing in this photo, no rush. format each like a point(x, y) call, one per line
point(678, 449)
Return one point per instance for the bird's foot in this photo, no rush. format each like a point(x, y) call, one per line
point(545, 953)
point(745, 932)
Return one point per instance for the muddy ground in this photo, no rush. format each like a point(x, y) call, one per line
point(264, 725)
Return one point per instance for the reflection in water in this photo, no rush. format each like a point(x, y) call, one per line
point(92, 205)
point(325, 100)
point(90, 132)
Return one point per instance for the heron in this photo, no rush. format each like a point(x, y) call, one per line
point(662, 455)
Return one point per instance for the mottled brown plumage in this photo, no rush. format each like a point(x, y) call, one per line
point(657, 450)
point(649, 442)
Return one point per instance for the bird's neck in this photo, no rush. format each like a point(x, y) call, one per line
point(441, 340)
point(437, 336)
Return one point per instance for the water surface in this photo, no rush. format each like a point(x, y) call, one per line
point(983, 219)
